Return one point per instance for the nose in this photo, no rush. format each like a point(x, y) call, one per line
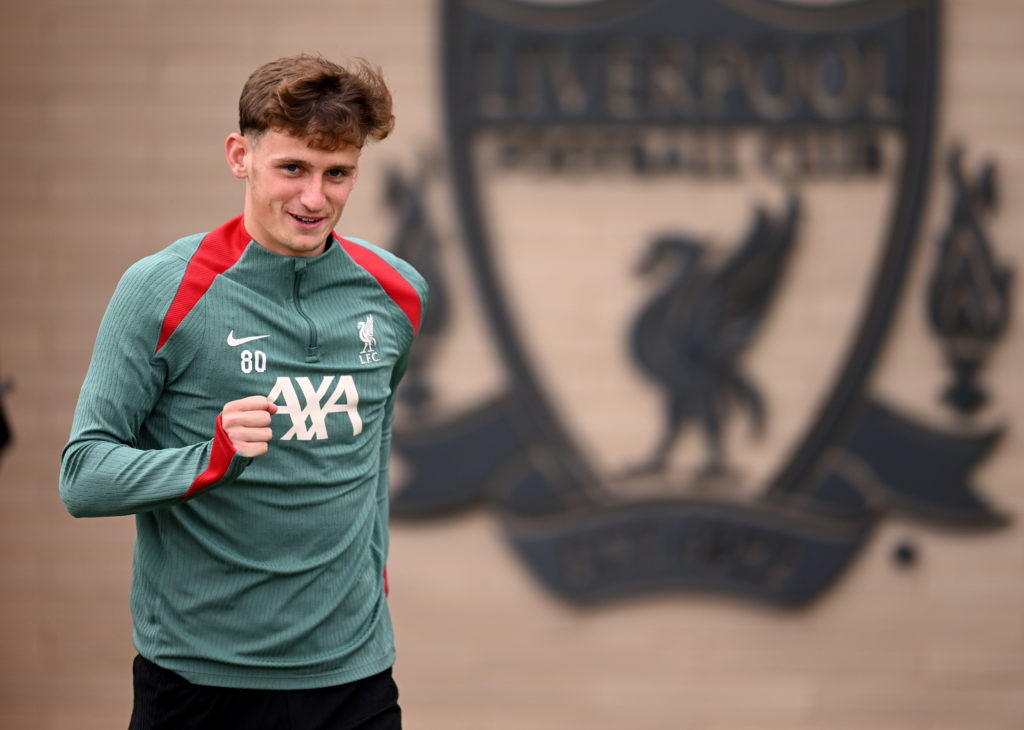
point(312, 196)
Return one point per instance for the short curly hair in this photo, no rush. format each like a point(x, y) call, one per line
point(316, 99)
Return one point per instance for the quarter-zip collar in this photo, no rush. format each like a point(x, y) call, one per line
point(312, 336)
point(273, 275)
point(291, 281)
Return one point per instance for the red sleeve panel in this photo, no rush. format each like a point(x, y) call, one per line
point(218, 252)
point(401, 291)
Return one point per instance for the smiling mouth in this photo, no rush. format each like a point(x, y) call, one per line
point(304, 220)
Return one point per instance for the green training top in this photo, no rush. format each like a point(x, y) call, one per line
point(266, 572)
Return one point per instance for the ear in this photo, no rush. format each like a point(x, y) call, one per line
point(237, 151)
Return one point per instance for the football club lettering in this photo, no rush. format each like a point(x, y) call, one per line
point(653, 77)
point(531, 87)
point(310, 421)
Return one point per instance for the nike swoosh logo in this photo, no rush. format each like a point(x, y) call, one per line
point(235, 342)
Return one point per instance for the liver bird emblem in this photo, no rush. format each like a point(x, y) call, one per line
point(690, 335)
point(366, 334)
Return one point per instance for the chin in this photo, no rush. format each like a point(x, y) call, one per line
point(314, 245)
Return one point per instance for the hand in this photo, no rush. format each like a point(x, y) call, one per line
point(247, 424)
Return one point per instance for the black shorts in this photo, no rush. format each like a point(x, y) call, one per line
point(165, 700)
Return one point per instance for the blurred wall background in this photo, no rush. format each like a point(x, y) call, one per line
point(112, 123)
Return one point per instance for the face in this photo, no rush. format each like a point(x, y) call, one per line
point(294, 193)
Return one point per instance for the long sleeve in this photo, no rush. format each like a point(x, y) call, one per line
point(106, 466)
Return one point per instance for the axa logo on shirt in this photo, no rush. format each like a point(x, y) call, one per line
point(309, 416)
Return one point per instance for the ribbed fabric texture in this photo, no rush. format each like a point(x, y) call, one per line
point(267, 572)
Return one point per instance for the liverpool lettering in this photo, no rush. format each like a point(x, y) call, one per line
point(553, 103)
point(554, 78)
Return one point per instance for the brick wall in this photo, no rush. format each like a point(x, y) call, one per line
point(112, 125)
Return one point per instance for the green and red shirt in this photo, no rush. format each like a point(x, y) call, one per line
point(266, 572)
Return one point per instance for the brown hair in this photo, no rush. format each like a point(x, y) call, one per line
point(311, 97)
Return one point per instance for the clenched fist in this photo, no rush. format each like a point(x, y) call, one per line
point(247, 424)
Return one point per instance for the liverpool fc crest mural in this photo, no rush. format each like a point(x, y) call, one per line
point(655, 200)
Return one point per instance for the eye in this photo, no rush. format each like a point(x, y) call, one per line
point(337, 174)
point(291, 169)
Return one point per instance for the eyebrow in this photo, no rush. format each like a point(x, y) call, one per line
point(282, 161)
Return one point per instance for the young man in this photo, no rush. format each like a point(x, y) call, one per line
point(239, 403)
